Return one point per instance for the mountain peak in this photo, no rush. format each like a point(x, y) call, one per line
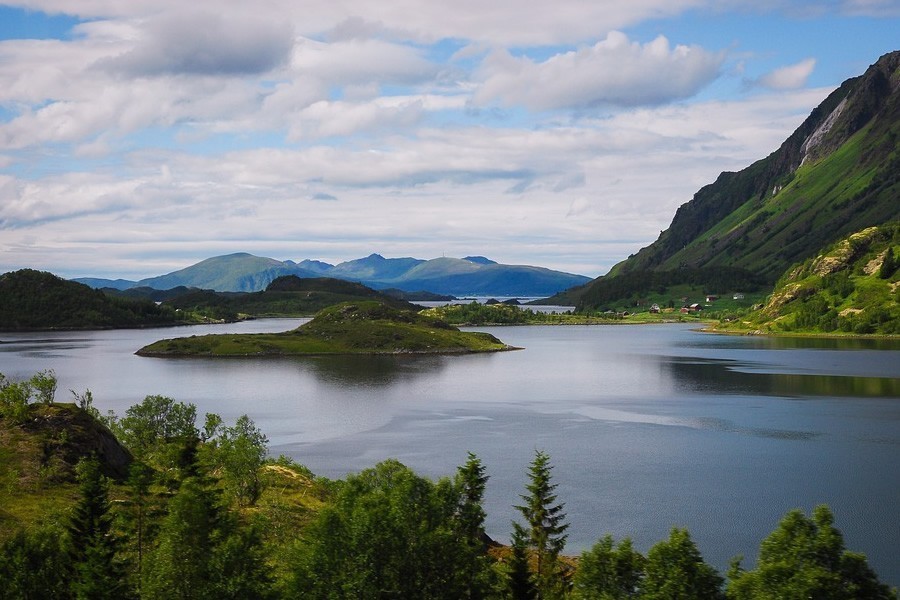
point(480, 260)
point(837, 173)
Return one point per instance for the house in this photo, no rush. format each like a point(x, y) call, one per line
point(738, 296)
point(654, 308)
point(711, 298)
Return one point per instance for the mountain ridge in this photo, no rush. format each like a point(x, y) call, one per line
point(244, 272)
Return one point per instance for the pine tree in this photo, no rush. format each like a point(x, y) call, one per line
point(96, 574)
point(545, 527)
point(519, 581)
point(472, 482)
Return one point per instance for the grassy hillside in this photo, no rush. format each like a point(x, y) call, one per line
point(851, 288)
point(367, 327)
point(671, 289)
point(838, 173)
point(35, 300)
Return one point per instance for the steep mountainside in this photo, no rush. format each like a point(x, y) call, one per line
point(838, 173)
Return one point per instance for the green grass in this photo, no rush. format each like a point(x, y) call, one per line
point(349, 328)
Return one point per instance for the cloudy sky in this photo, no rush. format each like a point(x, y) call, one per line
point(138, 137)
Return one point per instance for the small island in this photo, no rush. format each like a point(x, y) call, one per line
point(368, 327)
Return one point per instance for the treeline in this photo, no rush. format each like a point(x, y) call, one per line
point(31, 300)
point(611, 291)
point(204, 513)
point(286, 295)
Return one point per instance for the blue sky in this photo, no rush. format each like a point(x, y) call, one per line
point(139, 137)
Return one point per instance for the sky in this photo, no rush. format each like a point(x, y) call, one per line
point(140, 137)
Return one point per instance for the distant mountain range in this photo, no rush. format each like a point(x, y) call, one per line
point(473, 275)
point(837, 174)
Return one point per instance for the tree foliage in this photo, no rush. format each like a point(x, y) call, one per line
point(240, 452)
point(388, 534)
point(32, 299)
point(545, 525)
point(607, 572)
point(95, 573)
point(806, 558)
point(675, 570)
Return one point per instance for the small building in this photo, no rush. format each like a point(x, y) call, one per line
point(654, 308)
point(738, 296)
point(711, 298)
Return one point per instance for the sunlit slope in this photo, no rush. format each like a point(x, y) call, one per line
point(838, 173)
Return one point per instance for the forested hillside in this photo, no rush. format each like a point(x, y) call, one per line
point(152, 505)
point(31, 300)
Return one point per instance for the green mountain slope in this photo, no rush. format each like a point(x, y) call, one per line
point(839, 172)
point(852, 287)
point(32, 300)
point(239, 272)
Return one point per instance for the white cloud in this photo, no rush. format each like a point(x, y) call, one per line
point(615, 71)
point(791, 77)
point(206, 43)
point(500, 22)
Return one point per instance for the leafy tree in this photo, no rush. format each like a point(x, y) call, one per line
point(388, 534)
point(545, 526)
point(34, 565)
point(44, 385)
point(96, 573)
point(161, 432)
point(675, 570)
point(609, 573)
point(241, 452)
point(806, 558)
point(14, 399)
point(202, 553)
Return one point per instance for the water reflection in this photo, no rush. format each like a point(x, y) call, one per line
point(795, 343)
point(370, 371)
point(725, 376)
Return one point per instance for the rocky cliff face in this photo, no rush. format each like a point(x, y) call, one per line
point(851, 136)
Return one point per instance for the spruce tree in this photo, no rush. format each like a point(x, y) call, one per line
point(519, 580)
point(470, 484)
point(96, 574)
point(545, 527)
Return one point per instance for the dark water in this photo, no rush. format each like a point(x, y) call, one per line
point(648, 427)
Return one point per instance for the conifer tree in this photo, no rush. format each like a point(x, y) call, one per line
point(519, 581)
point(545, 527)
point(96, 574)
point(472, 482)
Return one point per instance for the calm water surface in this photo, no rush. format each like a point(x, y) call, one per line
point(648, 427)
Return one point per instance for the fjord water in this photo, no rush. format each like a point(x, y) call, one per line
point(648, 427)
